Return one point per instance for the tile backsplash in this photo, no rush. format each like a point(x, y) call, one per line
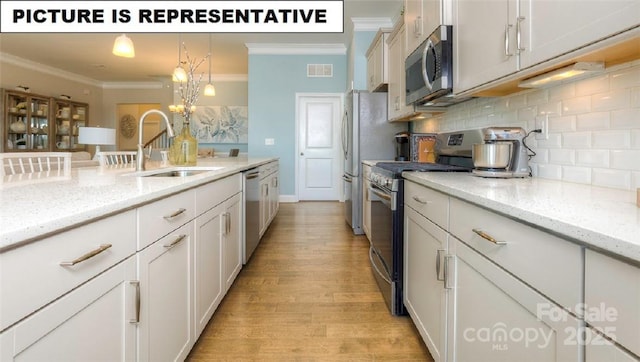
point(594, 126)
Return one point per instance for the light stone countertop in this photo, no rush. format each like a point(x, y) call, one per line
point(597, 217)
point(38, 205)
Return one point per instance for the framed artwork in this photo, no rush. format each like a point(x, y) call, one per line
point(220, 124)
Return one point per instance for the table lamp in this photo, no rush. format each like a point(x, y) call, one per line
point(96, 136)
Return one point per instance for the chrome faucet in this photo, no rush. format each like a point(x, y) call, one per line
point(140, 158)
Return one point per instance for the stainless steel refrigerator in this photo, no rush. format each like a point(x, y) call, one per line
point(366, 135)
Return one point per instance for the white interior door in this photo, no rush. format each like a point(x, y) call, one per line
point(319, 162)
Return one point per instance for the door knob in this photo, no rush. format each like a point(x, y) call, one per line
point(301, 153)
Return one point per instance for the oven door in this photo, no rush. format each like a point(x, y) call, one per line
point(383, 251)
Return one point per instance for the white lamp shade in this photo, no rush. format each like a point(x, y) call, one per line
point(209, 90)
point(96, 136)
point(179, 74)
point(123, 47)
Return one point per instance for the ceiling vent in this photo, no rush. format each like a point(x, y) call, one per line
point(320, 70)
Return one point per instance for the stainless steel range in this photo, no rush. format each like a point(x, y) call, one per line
point(387, 204)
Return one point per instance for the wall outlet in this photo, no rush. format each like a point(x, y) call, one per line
point(542, 122)
point(269, 142)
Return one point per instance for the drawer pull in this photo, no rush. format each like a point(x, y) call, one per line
point(175, 242)
point(136, 283)
point(86, 256)
point(175, 214)
point(488, 237)
point(419, 200)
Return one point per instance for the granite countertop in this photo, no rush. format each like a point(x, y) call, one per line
point(597, 217)
point(37, 205)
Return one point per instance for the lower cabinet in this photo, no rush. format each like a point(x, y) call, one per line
point(164, 271)
point(269, 194)
point(231, 240)
point(425, 296)
point(599, 349)
point(496, 317)
point(91, 323)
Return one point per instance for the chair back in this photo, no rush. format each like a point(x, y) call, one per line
point(117, 158)
point(31, 162)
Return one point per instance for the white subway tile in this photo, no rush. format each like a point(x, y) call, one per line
point(554, 141)
point(635, 180)
point(576, 174)
point(592, 85)
point(625, 118)
point(560, 156)
point(562, 124)
point(552, 172)
point(611, 178)
point(618, 99)
point(542, 156)
point(551, 108)
point(592, 158)
point(534, 169)
point(635, 138)
point(592, 121)
point(576, 140)
point(635, 97)
point(527, 113)
point(625, 78)
point(537, 97)
point(517, 101)
point(612, 139)
point(625, 159)
point(577, 105)
point(563, 91)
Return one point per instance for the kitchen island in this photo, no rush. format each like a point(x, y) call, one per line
point(146, 258)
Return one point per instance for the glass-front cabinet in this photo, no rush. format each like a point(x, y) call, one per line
point(26, 122)
point(33, 123)
point(69, 116)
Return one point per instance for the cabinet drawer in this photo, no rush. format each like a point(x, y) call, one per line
point(159, 218)
point(212, 194)
point(430, 203)
point(32, 275)
point(549, 264)
point(612, 296)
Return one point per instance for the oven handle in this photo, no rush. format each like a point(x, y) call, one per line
point(375, 267)
point(385, 197)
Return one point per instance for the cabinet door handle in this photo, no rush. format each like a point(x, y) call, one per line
point(439, 255)
point(175, 242)
point(227, 223)
point(519, 48)
point(179, 212)
point(449, 262)
point(86, 256)
point(506, 40)
point(136, 283)
point(488, 237)
point(416, 26)
point(419, 200)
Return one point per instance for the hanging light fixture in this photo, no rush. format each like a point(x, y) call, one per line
point(179, 74)
point(123, 47)
point(209, 89)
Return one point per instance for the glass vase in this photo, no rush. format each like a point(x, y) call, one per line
point(184, 150)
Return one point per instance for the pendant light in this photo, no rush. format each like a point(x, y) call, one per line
point(123, 47)
point(179, 74)
point(209, 89)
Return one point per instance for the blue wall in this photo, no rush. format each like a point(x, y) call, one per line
point(274, 81)
point(359, 46)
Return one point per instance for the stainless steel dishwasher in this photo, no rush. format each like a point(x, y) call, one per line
point(251, 196)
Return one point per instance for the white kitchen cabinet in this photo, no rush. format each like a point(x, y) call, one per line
point(208, 282)
point(377, 63)
point(598, 349)
point(231, 241)
point(422, 17)
point(269, 194)
point(397, 105)
point(165, 329)
point(274, 194)
point(424, 293)
point(493, 39)
point(496, 317)
point(612, 299)
point(91, 323)
point(366, 201)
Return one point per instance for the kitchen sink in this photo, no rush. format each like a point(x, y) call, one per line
point(177, 173)
point(174, 172)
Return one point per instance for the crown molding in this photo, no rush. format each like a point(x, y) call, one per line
point(371, 24)
point(132, 85)
point(295, 49)
point(46, 69)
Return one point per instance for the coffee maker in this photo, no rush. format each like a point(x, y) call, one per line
point(502, 153)
point(403, 151)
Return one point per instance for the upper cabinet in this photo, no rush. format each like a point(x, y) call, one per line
point(494, 39)
point(377, 63)
point(69, 116)
point(422, 17)
point(397, 107)
point(26, 122)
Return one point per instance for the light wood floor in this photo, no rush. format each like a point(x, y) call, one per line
point(308, 294)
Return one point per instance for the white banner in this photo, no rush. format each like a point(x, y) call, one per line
point(307, 16)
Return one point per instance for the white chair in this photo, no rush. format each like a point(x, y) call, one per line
point(117, 158)
point(31, 162)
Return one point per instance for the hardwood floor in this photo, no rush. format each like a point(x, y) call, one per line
point(308, 294)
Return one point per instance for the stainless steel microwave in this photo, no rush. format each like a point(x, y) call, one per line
point(428, 70)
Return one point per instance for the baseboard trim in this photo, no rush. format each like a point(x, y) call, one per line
point(288, 198)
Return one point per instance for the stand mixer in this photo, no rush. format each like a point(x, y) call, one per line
point(502, 153)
